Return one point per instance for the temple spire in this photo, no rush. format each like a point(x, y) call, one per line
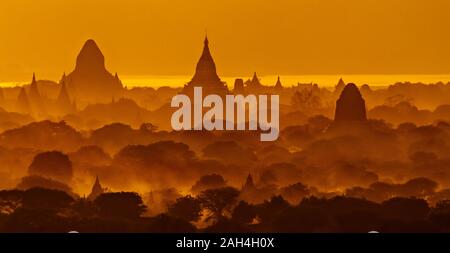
point(35, 99)
point(97, 190)
point(254, 82)
point(33, 87)
point(278, 84)
point(33, 81)
point(63, 78)
point(206, 75)
point(255, 77)
point(249, 185)
point(23, 105)
point(63, 100)
point(339, 86)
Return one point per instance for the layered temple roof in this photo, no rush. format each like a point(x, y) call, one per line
point(206, 75)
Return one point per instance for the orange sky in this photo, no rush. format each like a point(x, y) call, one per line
point(160, 37)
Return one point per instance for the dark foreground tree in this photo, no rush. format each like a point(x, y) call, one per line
point(217, 201)
point(186, 208)
point(45, 199)
point(121, 205)
point(244, 212)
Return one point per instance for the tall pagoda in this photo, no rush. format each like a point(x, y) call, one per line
point(206, 76)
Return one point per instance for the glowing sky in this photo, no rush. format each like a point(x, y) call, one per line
point(161, 37)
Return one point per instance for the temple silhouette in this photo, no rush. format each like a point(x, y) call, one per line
point(255, 86)
point(350, 106)
point(91, 82)
point(63, 103)
point(97, 190)
point(206, 76)
point(350, 115)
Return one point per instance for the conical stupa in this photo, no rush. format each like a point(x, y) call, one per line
point(339, 86)
point(63, 103)
point(35, 99)
point(97, 190)
point(278, 85)
point(254, 82)
point(23, 105)
point(249, 184)
point(206, 75)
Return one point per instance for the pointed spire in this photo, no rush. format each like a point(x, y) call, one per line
point(63, 78)
point(97, 190)
point(33, 81)
point(255, 77)
point(206, 41)
point(254, 82)
point(35, 99)
point(206, 74)
point(278, 84)
point(206, 53)
point(339, 86)
point(23, 105)
point(63, 100)
point(249, 184)
point(33, 87)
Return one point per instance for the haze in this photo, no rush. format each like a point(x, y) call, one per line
point(155, 37)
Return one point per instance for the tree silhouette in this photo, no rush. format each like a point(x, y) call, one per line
point(244, 212)
point(53, 164)
point(10, 200)
point(306, 100)
point(273, 207)
point(46, 199)
point(122, 205)
point(218, 200)
point(186, 208)
point(405, 209)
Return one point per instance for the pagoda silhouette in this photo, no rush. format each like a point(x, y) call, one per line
point(63, 104)
point(278, 86)
point(254, 85)
point(90, 81)
point(249, 185)
point(35, 99)
point(97, 190)
point(23, 104)
point(350, 116)
point(206, 76)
